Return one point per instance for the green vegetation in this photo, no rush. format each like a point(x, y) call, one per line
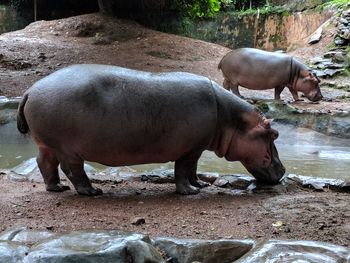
point(209, 8)
point(341, 4)
point(267, 9)
point(198, 8)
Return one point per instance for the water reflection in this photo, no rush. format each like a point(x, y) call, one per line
point(302, 151)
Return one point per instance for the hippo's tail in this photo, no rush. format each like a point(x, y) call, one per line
point(22, 124)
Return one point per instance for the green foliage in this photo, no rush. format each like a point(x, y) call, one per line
point(341, 4)
point(198, 8)
point(266, 9)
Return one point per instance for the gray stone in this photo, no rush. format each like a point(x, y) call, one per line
point(296, 251)
point(9, 103)
point(11, 252)
point(316, 37)
point(345, 34)
point(98, 246)
point(208, 177)
point(320, 73)
point(339, 41)
point(115, 174)
point(319, 183)
point(335, 66)
point(205, 251)
point(236, 181)
point(159, 175)
point(27, 236)
point(332, 72)
point(142, 252)
point(317, 60)
point(26, 167)
point(138, 221)
point(336, 124)
point(336, 56)
point(343, 21)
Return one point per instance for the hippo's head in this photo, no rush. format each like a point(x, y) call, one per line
point(256, 150)
point(308, 83)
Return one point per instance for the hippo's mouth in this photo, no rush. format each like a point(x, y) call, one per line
point(268, 176)
point(315, 97)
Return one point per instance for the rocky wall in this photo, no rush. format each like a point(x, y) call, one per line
point(270, 32)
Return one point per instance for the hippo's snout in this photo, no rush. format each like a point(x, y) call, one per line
point(315, 96)
point(271, 175)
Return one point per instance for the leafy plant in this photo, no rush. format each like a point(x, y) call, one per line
point(341, 4)
point(198, 8)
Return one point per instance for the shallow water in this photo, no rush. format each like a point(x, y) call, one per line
point(302, 151)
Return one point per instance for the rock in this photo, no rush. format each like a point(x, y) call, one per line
point(141, 252)
point(318, 183)
point(159, 176)
point(345, 34)
point(115, 174)
point(99, 246)
point(315, 37)
point(320, 73)
point(26, 236)
point(26, 167)
point(11, 252)
point(317, 60)
point(236, 181)
point(208, 177)
point(335, 66)
point(205, 251)
point(332, 72)
point(138, 221)
point(296, 251)
point(336, 56)
point(124, 247)
point(343, 21)
point(339, 41)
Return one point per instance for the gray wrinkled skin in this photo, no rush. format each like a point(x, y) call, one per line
point(259, 70)
point(117, 116)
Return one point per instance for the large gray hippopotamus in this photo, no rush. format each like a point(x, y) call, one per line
point(258, 70)
point(117, 116)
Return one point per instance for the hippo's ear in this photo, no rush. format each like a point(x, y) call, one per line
point(267, 123)
point(274, 134)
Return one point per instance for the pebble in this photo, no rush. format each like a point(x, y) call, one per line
point(138, 221)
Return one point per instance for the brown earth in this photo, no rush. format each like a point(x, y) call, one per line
point(28, 55)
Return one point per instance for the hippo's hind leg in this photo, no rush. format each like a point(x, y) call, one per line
point(74, 170)
point(185, 174)
point(229, 85)
point(48, 166)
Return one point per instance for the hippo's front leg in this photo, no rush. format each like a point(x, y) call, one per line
point(278, 91)
point(294, 94)
point(185, 170)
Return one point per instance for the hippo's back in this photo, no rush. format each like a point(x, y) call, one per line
point(98, 111)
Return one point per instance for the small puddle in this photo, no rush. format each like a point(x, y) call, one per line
point(302, 151)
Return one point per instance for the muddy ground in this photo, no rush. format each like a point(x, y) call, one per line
point(28, 55)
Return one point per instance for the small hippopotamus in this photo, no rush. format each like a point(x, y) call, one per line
point(117, 116)
point(258, 70)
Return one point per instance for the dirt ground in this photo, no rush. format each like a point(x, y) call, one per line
point(28, 55)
